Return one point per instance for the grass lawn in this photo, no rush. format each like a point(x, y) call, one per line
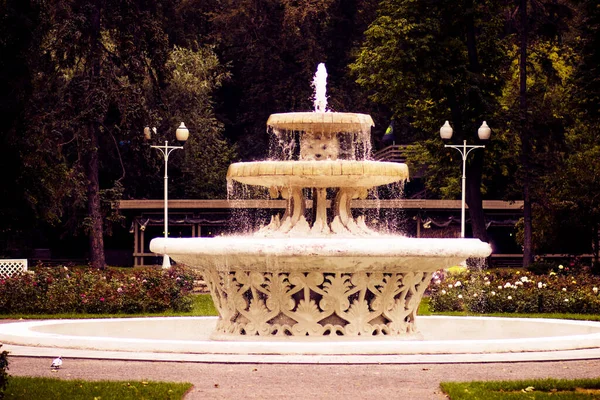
point(529, 389)
point(203, 306)
point(49, 388)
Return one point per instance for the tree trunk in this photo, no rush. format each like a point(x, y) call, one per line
point(473, 195)
point(596, 249)
point(475, 169)
point(96, 232)
point(526, 147)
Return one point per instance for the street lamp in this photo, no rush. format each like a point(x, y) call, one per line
point(484, 133)
point(182, 133)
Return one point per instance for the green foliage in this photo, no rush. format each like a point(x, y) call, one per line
point(415, 60)
point(571, 209)
point(201, 305)
point(526, 389)
point(3, 374)
point(274, 47)
point(562, 290)
point(53, 290)
point(39, 388)
point(80, 78)
point(587, 81)
point(434, 61)
point(196, 76)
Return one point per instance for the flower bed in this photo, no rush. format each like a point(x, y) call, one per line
point(52, 290)
point(506, 291)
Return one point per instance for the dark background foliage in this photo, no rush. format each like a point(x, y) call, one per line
point(80, 79)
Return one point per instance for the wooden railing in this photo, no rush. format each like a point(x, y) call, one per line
point(394, 153)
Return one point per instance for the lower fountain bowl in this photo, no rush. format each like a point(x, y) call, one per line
point(332, 288)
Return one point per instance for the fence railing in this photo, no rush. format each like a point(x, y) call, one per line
point(10, 267)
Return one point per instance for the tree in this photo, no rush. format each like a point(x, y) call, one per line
point(93, 64)
point(188, 95)
point(524, 135)
point(422, 60)
point(573, 205)
point(538, 22)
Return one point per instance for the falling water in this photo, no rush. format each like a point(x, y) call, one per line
point(320, 85)
point(245, 220)
point(282, 144)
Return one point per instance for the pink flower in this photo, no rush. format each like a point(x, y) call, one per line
point(101, 298)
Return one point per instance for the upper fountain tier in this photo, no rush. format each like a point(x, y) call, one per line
point(329, 138)
point(321, 122)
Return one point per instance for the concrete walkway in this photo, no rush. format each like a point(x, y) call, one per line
point(410, 376)
point(298, 381)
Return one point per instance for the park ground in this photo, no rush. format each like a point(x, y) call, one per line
point(304, 381)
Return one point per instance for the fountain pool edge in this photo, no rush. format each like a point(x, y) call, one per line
point(36, 338)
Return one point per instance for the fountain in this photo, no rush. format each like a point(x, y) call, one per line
point(328, 275)
point(318, 287)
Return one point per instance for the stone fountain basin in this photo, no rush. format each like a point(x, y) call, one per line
point(441, 335)
point(318, 174)
point(353, 254)
point(321, 122)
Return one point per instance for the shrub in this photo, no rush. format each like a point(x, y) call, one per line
point(448, 293)
point(561, 290)
point(541, 267)
point(3, 373)
point(65, 290)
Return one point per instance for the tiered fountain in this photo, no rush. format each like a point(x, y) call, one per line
point(310, 286)
point(328, 275)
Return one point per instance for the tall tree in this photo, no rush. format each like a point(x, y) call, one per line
point(576, 185)
point(524, 135)
point(422, 59)
point(94, 59)
point(196, 76)
point(538, 21)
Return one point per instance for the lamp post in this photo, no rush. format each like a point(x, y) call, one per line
point(484, 133)
point(182, 133)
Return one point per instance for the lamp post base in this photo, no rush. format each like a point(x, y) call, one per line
point(166, 262)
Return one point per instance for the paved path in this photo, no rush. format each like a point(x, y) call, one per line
point(294, 381)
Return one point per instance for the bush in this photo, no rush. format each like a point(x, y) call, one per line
point(541, 267)
point(65, 290)
point(504, 291)
point(3, 373)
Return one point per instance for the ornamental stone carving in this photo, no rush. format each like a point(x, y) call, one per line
point(308, 304)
